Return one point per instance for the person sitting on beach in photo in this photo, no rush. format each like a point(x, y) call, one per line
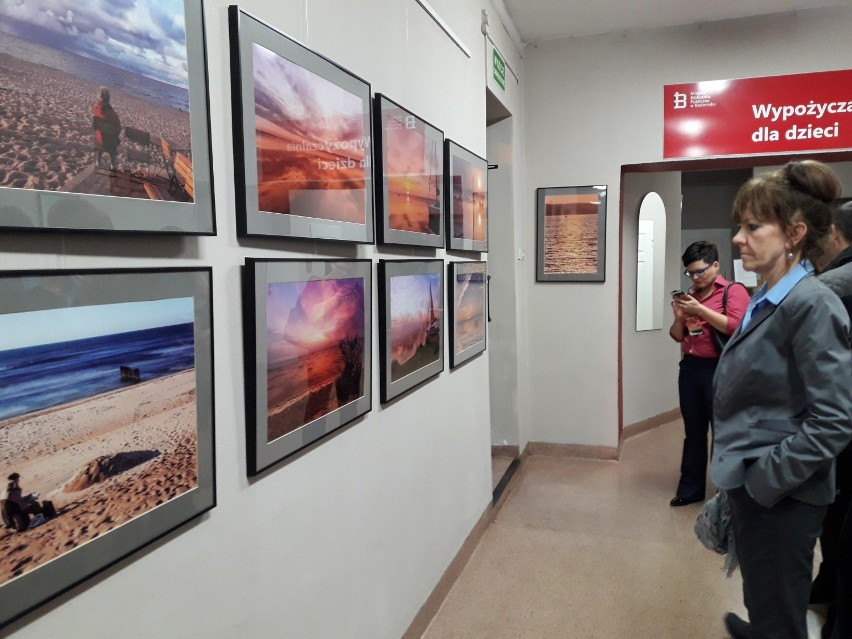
point(14, 493)
point(107, 128)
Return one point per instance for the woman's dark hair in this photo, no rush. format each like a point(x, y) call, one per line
point(801, 191)
point(698, 251)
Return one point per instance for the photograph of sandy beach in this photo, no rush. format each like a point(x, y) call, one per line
point(105, 446)
point(315, 350)
point(413, 172)
point(469, 200)
point(571, 233)
point(313, 142)
point(469, 308)
point(56, 56)
point(415, 322)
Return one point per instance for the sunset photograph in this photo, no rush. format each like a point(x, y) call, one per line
point(415, 313)
point(313, 142)
point(92, 95)
point(315, 350)
point(98, 419)
point(413, 172)
point(469, 201)
point(571, 233)
point(469, 309)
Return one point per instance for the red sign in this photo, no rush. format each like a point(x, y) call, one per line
point(778, 114)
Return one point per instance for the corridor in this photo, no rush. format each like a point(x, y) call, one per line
point(591, 549)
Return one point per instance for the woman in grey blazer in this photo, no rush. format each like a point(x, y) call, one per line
point(782, 398)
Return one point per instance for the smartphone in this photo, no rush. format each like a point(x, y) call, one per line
point(678, 293)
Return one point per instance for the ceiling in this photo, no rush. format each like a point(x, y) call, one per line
point(540, 20)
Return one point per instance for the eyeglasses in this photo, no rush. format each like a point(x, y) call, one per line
point(698, 273)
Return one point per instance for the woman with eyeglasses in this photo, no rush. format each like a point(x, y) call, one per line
point(706, 305)
point(782, 402)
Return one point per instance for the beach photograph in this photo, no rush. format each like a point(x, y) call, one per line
point(469, 310)
point(315, 346)
point(97, 421)
point(413, 173)
point(313, 142)
point(415, 322)
point(94, 98)
point(469, 201)
point(571, 233)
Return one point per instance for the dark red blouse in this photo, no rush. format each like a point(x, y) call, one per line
point(702, 345)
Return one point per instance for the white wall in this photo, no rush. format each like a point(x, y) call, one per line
point(646, 394)
point(349, 539)
point(591, 105)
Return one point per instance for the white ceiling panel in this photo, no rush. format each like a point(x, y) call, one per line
point(539, 20)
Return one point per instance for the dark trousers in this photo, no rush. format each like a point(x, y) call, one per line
point(695, 389)
point(843, 596)
point(829, 540)
point(775, 547)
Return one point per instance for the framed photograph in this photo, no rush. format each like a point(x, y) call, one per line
point(411, 325)
point(571, 234)
point(302, 152)
point(467, 199)
point(468, 310)
point(105, 124)
point(106, 420)
point(410, 160)
point(308, 352)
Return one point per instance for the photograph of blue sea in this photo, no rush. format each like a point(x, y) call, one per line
point(48, 373)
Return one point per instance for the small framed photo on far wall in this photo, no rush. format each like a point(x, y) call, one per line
point(571, 234)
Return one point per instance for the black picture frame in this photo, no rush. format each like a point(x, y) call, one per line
point(578, 213)
point(466, 189)
point(409, 160)
point(415, 286)
point(312, 398)
point(161, 179)
point(467, 302)
point(93, 419)
point(319, 184)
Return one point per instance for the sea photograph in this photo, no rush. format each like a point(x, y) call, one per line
point(469, 201)
point(571, 233)
point(97, 416)
point(315, 350)
point(413, 174)
point(313, 143)
point(88, 93)
point(415, 309)
point(469, 310)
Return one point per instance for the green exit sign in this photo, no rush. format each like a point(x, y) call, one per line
point(499, 65)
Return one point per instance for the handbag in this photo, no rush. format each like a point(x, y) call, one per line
point(715, 531)
point(719, 338)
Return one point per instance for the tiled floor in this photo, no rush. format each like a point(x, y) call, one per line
point(591, 549)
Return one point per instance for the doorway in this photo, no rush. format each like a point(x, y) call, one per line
point(647, 360)
point(502, 297)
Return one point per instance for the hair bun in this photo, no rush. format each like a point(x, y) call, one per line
point(814, 179)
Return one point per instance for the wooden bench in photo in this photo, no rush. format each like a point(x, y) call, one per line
point(183, 170)
point(179, 168)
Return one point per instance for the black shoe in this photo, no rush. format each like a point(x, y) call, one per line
point(684, 501)
point(736, 627)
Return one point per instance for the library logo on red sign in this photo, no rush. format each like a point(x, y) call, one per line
point(779, 114)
